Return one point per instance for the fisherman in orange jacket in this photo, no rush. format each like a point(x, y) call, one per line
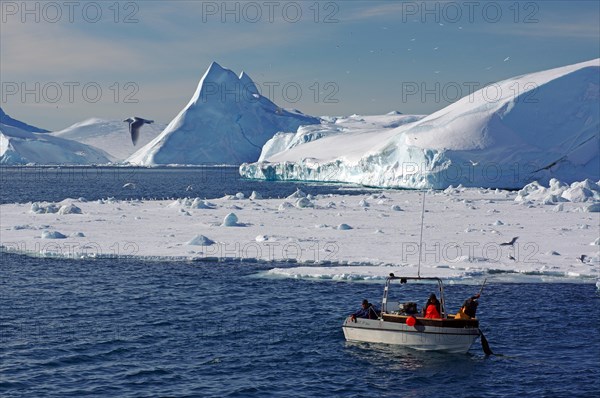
point(432, 308)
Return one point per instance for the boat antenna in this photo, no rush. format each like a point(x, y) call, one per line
point(482, 285)
point(421, 239)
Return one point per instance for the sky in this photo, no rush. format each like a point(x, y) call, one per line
point(63, 62)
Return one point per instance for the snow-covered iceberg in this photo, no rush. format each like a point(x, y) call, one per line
point(111, 136)
point(22, 146)
point(531, 127)
point(226, 121)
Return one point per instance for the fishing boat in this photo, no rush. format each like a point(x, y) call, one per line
point(395, 326)
point(402, 325)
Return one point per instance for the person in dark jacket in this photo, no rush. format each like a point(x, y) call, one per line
point(367, 311)
point(469, 308)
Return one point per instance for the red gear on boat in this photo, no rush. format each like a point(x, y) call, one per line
point(432, 312)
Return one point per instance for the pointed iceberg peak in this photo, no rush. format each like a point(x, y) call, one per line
point(216, 73)
point(223, 85)
point(247, 83)
point(214, 67)
point(214, 79)
point(227, 121)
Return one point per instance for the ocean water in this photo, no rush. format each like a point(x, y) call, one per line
point(128, 328)
point(39, 183)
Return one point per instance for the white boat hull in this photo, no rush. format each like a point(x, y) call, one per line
point(425, 338)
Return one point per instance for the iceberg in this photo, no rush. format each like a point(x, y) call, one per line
point(9, 121)
point(110, 136)
point(226, 121)
point(532, 127)
point(22, 146)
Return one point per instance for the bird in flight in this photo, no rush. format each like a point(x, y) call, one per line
point(135, 123)
point(511, 243)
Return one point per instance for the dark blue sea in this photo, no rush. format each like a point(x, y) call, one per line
point(127, 328)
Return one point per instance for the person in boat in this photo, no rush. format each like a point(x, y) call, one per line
point(432, 308)
point(367, 311)
point(469, 308)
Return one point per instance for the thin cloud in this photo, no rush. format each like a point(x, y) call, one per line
point(54, 49)
point(369, 12)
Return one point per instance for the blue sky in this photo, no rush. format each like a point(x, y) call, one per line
point(324, 58)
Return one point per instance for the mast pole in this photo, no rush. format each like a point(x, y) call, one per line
point(421, 238)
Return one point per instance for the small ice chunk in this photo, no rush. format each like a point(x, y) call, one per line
point(40, 208)
point(200, 240)
point(558, 207)
point(176, 203)
point(498, 222)
point(129, 185)
point(344, 227)
point(77, 235)
point(240, 195)
point(296, 195)
point(53, 235)
point(396, 208)
point(285, 205)
point(303, 203)
point(255, 195)
point(230, 220)
point(69, 209)
point(201, 204)
point(363, 203)
point(261, 238)
point(596, 242)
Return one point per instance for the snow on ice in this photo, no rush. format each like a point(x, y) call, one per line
point(464, 230)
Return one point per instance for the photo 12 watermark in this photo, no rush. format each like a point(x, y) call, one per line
point(455, 12)
point(290, 92)
point(53, 92)
point(326, 12)
point(60, 246)
point(55, 12)
point(449, 92)
point(66, 174)
point(314, 252)
point(454, 252)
